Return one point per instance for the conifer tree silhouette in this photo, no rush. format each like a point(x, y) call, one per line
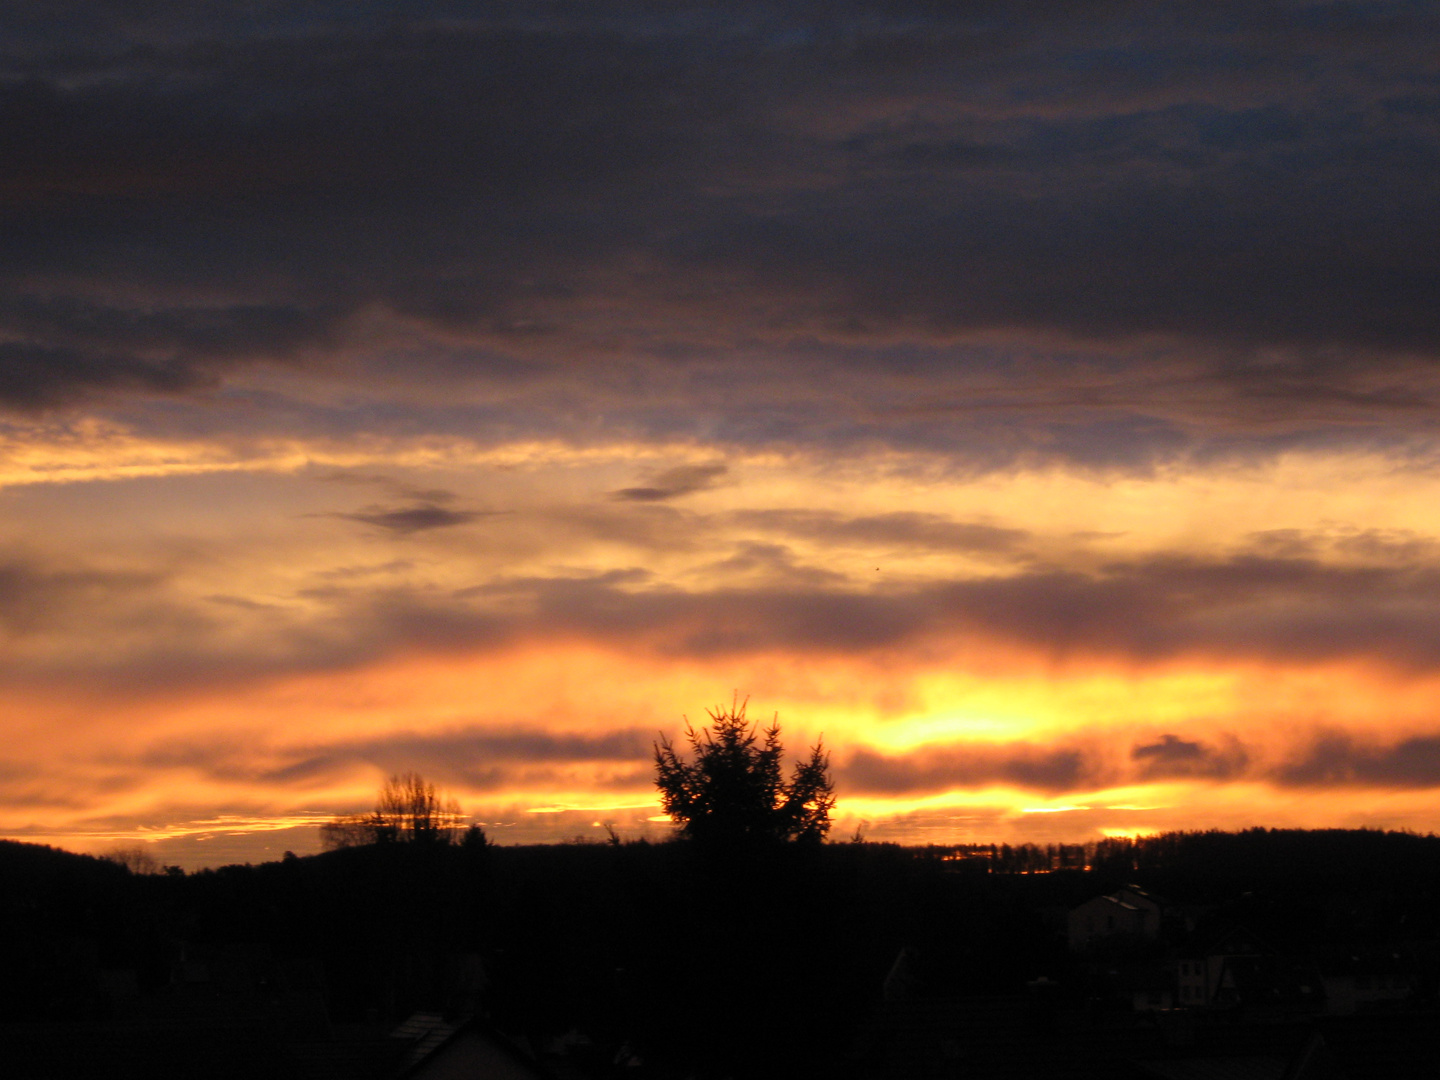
point(732, 791)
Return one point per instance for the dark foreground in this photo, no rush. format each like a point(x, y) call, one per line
point(1283, 955)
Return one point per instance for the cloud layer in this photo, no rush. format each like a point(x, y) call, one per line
point(1038, 401)
point(1122, 225)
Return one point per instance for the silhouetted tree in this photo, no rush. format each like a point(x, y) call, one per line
point(409, 809)
point(733, 791)
point(136, 858)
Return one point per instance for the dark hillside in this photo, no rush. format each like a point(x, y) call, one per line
point(766, 965)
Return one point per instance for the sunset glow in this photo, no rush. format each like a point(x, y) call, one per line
point(983, 414)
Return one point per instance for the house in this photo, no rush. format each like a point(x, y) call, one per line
point(1200, 971)
point(1366, 980)
point(1148, 987)
point(434, 1048)
point(1192, 984)
point(1110, 916)
point(1150, 906)
point(1269, 987)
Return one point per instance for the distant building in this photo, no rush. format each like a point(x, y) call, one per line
point(1193, 983)
point(1152, 910)
point(1367, 980)
point(1128, 913)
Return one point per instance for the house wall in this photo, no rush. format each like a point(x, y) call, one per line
point(1100, 917)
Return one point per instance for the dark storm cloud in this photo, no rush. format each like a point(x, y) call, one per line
point(672, 483)
point(1229, 206)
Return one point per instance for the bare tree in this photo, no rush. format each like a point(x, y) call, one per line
point(416, 811)
point(409, 809)
point(134, 857)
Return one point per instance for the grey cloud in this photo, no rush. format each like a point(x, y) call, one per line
point(725, 621)
point(1391, 546)
point(1164, 606)
point(651, 526)
point(1295, 609)
point(65, 349)
point(1342, 760)
point(933, 770)
point(1286, 544)
point(352, 573)
point(406, 520)
point(775, 563)
point(35, 595)
point(1298, 610)
point(477, 758)
point(1384, 547)
point(35, 376)
point(672, 483)
point(900, 529)
point(1145, 611)
point(395, 487)
point(245, 603)
point(1173, 756)
point(1170, 748)
point(1221, 219)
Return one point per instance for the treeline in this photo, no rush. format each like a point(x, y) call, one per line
point(1255, 855)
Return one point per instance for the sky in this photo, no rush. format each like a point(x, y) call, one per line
point(1037, 402)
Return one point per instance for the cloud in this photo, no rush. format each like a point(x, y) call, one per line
point(774, 563)
point(242, 602)
point(1173, 757)
point(38, 596)
point(407, 520)
point(397, 488)
point(1338, 759)
point(672, 483)
point(428, 507)
point(968, 765)
point(1331, 760)
point(478, 758)
point(1152, 608)
point(906, 529)
point(757, 600)
point(1127, 230)
point(35, 376)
